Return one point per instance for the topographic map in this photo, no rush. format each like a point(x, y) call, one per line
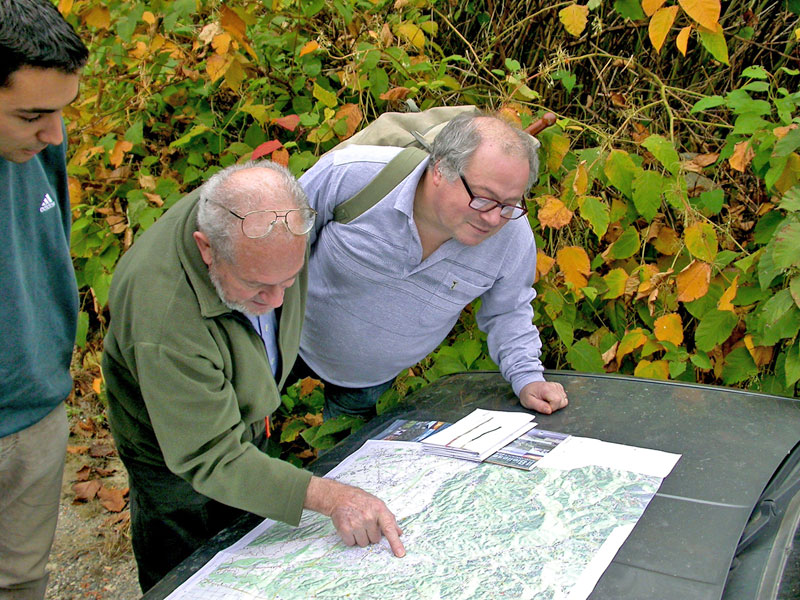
point(470, 530)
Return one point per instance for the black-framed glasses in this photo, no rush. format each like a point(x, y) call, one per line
point(258, 223)
point(481, 204)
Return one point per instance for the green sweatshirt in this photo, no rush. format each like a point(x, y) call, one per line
point(188, 380)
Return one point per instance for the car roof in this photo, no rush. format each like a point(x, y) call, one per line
point(732, 443)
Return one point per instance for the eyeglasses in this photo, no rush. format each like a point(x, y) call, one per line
point(507, 211)
point(258, 223)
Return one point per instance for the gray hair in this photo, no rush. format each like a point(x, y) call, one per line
point(455, 144)
point(221, 194)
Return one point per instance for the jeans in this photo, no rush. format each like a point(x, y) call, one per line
point(358, 402)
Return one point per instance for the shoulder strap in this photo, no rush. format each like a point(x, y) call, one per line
point(395, 171)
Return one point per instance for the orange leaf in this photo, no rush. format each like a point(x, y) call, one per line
point(221, 43)
point(543, 264)
point(118, 153)
point(725, 302)
point(232, 22)
point(669, 328)
point(217, 65)
point(85, 490)
point(705, 12)
point(743, 154)
point(762, 355)
point(660, 24)
point(75, 191)
point(658, 369)
point(96, 383)
point(618, 99)
point(65, 7)
point(554, 214)
point(574, 263)
point(308, 385)
point(112, 499)
point(651, 6)
point(693, 281)
point(289, 122)
point(682, 41)
point(266, 148)
point(281, 156)
point(667, 242)
point(309, 47)
point(396, 93)
point(352, 115)
point(98, 17)
point(77, 449)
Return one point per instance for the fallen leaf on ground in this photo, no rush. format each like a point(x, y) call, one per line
point(86, 490)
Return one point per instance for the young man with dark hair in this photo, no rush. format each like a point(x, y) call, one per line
point(40, 60)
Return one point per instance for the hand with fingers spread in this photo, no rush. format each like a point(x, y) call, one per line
point(359, 517)
point(543, 396)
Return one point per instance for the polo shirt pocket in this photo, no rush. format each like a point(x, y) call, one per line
point(449, 298)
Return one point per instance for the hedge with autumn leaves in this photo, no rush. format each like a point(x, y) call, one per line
point(667, 214)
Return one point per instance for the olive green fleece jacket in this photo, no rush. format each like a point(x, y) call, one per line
point(188, 379)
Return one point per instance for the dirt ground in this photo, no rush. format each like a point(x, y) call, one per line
point(91, 557)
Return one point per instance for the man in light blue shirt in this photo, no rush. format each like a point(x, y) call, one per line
point(386, 288)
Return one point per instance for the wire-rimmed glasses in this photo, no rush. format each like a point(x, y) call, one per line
point(258, 223)
point(481, 204)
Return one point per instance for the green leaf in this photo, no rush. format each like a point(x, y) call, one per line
point(791, 200)
point(185, 139)
point(706, 103)
point(785, 251)
point(664, 151)
point(324, 96)
point(626, 245)
point(701, 361)
point(715, 327)
point(582, 356)
point(714, 42)
point(469, 350)
point(794, 290)
point(712, 201)
point(755, 72)
point(292, 429)
point(767, 271)
point(792, 364)
point(738, 366)
point(83, 329)
point(596, 212)
point(788, 143)
point(620, 170)
point(135, 133)
point(564, 330)
point(647, 189)
point(629, 9)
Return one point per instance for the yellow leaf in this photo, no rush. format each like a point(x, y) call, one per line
point(65, 7)
point(232, 23)
point(701, 240)
point(651, 6)
point(353, 117)
point(309, 47)
point(96, 383)
point(667, 242)
point(221, 43)
point(669, 328)
point(574, 18)
point(557, 148)
point(75, 191)
point(705, 12)
point(148, 17)
point(413, 34)
point(580, 179)
point(98, 17)
point(217, 65)
point(574, 263)
point(616, 280)
point(630, 341)
point(234, 75)
point(543, 264)
point(725, 302)
point(682, 41)
point(554, 214)
point(658, 369)
point(693, 281)
point(743, 154)
point(791, 174)
point(660, 24)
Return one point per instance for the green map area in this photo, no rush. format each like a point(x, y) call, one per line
point(470, 531)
